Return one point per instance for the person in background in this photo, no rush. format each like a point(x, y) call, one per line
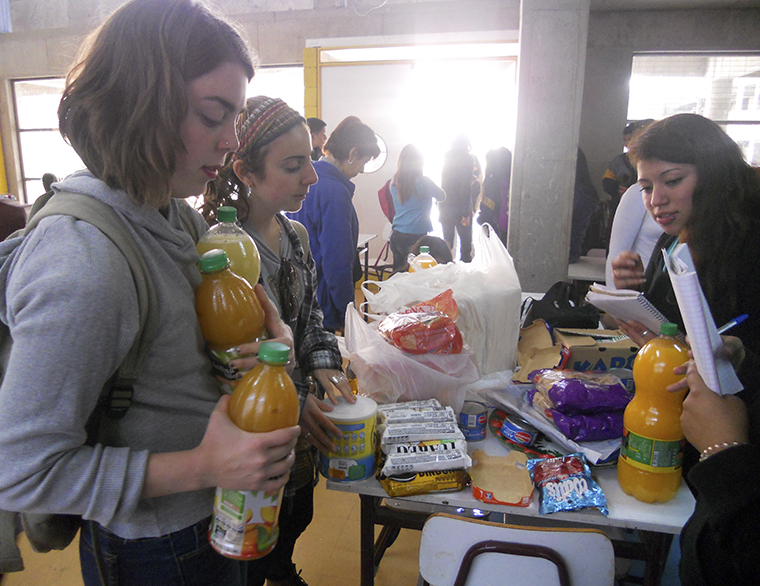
point(621, 173)
point(270, 172)
point(437, 248)
point(318, 130)
point(413, 196)
point(633, 228)
point(717, 543)
point(494, 205)
point(460, 181)
point(330, 218)
point(585, 203)
point(148, 141)
point(12, 216)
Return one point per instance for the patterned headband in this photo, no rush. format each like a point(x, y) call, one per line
point(266, 119)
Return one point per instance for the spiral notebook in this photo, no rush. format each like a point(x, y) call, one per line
point(702, 333)
point(626, 305)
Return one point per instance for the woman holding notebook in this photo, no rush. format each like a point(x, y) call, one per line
point(698, 188)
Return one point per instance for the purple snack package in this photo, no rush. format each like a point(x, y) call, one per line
point(590, 427)
point(572, 396)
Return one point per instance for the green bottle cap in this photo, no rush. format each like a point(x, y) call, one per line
point(424, 250)
point(226, 214)
point(213, 261)
point(274, 353)
point(668, 329)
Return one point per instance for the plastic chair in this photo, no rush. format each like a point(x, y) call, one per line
point(379, 266)
point(457, 551)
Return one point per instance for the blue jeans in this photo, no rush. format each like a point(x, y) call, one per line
point(182, 558)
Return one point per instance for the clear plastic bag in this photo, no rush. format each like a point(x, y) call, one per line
point(388, 374)
point(487, 291)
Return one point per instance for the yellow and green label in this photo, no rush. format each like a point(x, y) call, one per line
point(651, 455)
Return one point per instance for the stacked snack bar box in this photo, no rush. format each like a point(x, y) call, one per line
point(422, 449)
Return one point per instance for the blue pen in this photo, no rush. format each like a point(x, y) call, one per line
point(734, 322)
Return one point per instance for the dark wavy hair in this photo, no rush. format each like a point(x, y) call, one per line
point(726, 201)
point(228, 189)
point(125, 97)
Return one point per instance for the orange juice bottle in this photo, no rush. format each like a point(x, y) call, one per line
point(424, 260)
point(244, 526)
point(229, 314)
point(651, 455)
point(240, 248)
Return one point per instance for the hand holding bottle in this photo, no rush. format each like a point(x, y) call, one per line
point(709, 419)
point(231, 457)
point(278, 331)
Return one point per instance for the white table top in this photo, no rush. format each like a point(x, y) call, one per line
point(588, 268)
point(624, 511)
point(364, 238)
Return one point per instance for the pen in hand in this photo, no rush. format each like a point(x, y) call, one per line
point(734, 322)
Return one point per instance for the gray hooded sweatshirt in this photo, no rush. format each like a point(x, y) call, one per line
point(71, 305)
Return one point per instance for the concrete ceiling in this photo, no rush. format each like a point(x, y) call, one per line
point(670, 4)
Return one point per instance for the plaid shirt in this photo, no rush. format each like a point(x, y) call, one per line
point(315, 347)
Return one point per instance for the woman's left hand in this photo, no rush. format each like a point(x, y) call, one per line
point(315, 425)
point(277, 329)
point(636, 332)
point(334, 382)
point(710, 419)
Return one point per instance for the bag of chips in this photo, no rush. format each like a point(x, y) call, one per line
point(565, 484)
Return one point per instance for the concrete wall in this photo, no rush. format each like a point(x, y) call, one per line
point(613, 38)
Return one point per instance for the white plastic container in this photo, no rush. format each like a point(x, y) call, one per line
point(355, 456)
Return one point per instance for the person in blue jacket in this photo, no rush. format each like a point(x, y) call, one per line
point(330, 217)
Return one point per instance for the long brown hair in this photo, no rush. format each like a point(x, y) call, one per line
point(725, 204)
point(125, 98)
point(410, 165)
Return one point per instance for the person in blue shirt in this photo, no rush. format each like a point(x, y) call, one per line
point(413, 195)
point(330, 217)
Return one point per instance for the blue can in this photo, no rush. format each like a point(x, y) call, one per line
point(472, 420)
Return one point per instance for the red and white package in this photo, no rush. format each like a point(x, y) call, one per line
point(427, 327)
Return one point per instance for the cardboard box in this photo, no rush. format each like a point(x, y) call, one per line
point(572, 349)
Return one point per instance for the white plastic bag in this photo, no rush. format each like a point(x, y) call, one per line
point(388, 374)
point(487, 291)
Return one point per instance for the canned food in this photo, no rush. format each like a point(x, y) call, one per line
point(472, 420)
point(516, 429)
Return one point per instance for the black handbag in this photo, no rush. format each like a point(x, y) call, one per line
point(560, 307)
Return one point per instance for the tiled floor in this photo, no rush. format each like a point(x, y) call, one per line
point(327, 553)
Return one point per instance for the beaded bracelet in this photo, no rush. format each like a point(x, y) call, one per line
point(709, 451)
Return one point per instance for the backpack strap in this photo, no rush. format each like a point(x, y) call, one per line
point(303, 236)
point(93, 211)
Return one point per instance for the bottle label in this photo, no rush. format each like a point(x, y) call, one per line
point(651, 455)
point(220, 360)
point(245, 523)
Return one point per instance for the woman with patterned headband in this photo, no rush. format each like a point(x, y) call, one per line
point(269, 173)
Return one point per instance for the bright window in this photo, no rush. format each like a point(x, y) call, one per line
point(43, 150)
point(722, 87)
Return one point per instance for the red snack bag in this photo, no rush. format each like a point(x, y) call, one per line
point(426, 327)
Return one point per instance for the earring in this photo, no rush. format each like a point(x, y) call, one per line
point(350, 161)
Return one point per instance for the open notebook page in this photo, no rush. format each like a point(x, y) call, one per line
point(701, 330)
